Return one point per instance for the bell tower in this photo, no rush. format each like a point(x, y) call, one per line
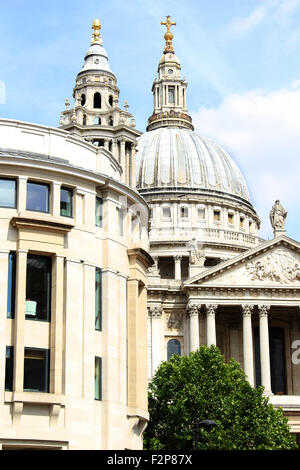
point(96, 115)
point(169, 90)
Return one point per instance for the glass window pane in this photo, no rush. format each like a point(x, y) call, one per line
point(37, 197)
point(38, 287)
point(98, 212)
point(166, 212)
point(173, 348)
point(9, 363)
point(11, 285)
point(98, 378)
point(36, 370)
point(98, 299)
point(8, 193)
point(171, 93)
point(201, 213)
point(66, 198)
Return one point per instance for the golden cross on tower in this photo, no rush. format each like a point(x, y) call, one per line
point(96, 36)
point(168, 35)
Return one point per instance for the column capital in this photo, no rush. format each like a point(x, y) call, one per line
point(193, 309)
point(211, 309)
point(155, 312)
point(247, 309)
point(177, 257)
point(263, 310)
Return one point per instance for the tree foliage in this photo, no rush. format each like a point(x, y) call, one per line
point(203, 386)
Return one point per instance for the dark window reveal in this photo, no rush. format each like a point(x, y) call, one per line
point(98, 300)
point(66, 198)
point(98, 378)
point(36, 370)
point(9, 364)
point(11, 285)
point(38, 287)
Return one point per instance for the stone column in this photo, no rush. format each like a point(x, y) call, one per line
point(194, 326)
point(264, 348)
point(177, 260)
point(19, 322)
point(132, 182)
point(211, 324)
point(22, 192)
point(248, 342)
point(57, 319)
point(122, 160)
point(157, 335)
point(55, 199)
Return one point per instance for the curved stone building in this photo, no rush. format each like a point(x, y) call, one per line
point(73, 263)
point(214, 280)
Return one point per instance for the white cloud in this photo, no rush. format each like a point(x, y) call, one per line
point(262, 133)
point(279, 11)
point(240, 26)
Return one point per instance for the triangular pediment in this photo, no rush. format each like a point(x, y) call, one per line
point(274, 263)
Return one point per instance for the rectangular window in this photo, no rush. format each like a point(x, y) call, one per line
point(230, 218)
point(98, 378)
point(9, 367)
point(38, 287)
point(8, 193)
point(217, 216)
point(36, 370)
point(171, 94)
point(184, 212)
point(37, 197)
point(66, 202)
point(98, 300)
point(166, 212)
point(201, 212)
point(99, 211)
point(11, 285)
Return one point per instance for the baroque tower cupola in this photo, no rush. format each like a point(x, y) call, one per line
point(96, 115)
point(169, 89)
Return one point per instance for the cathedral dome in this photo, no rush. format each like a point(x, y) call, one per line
point(178, 158)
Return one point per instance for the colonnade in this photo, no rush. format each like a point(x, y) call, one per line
point(248, 355)
point(211, 310)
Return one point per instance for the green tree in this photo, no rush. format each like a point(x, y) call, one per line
point(203, 386)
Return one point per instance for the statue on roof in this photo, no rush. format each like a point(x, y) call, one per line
point(278, 216)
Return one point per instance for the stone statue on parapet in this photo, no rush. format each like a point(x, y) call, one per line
point(196, 256)
point(277, 218)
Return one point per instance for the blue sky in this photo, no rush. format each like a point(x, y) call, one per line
point(241, 60)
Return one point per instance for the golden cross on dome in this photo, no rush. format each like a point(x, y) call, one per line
point(168, 23)
point(168, 35)
point(96, 34)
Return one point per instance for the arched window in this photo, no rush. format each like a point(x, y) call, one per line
point(97, 100)
point(110, 100)
point(110, 121)
point(173, 347)
point(82, 99)
point(84, 120)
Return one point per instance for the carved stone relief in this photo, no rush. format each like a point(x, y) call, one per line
point(175, 320)
point(278, 266)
